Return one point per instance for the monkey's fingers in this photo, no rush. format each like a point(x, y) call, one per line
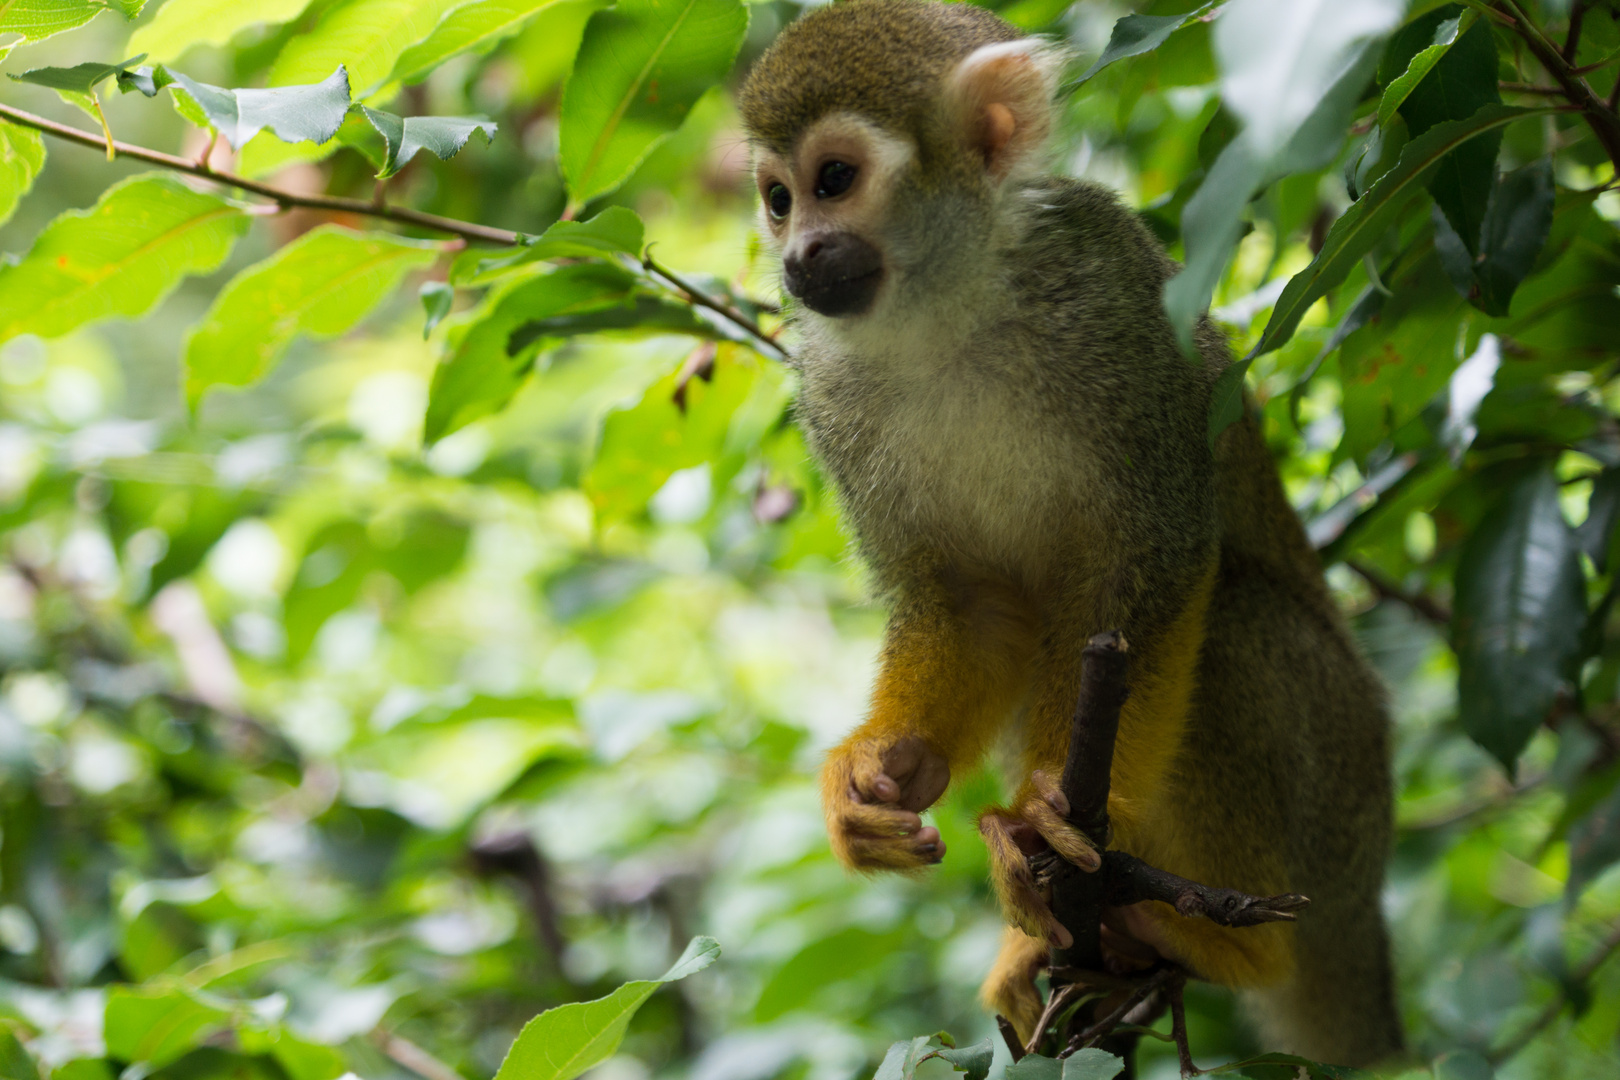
point(875, 837)
point(1021, 901)
point(907, 772)
point(1046, 810)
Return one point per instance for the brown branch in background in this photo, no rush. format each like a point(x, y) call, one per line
point(1582, 973)
point(1572, 40)
point(514, 855)
point(1600, 115)
point(1178, 1029)
point(404, 1052)
point(1425, 606)
point(1009, 1035)
point(375, 207)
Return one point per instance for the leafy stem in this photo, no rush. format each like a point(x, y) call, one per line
point(375, 207)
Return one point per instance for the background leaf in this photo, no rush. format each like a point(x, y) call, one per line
point(1521, 601)
point(22, 155)
point(322, 284)
point(39, 19)
point(642, 65)
point(471, 26)
point(121, 257)
point(561, 1043)
point(179, 25)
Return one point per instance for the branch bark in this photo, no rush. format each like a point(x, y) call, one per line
point(1600, 115)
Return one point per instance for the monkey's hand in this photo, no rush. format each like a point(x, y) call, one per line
point(1038, 820)
point(872, 791)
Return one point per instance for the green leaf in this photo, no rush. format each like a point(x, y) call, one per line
point(1518, 219)
point(293, 113)
point(1460, 83)
point(181, 24)
point(1361, 226)
point(902, 1059)
point(473, 26)
point(615, 231)
point(1462, 1065)
point(1520, 606)
point(1288, 1067)
point(158, 1024)
point(36, 20)
point(561, 1043)
point(22, 155)
point(1294, 104)
point(642, 315)
point(323, 283)
point(78, 79)
point(641, 67)
point(973, 1060)
point(365, 36)
point(1226, 399)
point(480, 376)
point(1035, 1067)
point(408, 136)
point(437, 298)
point(1092, 1064)
point(121, 257)
point(637, 456)
point(1421, 63)
point(1594, 845)
point(1134, 35)
point(15, 1061)
point(1392, 367)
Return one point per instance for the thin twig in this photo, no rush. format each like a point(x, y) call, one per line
point(1425, 606)
point(1105, 1027)
point(1009, 1035)
point(1062, 999)
point(413, 1057)
point(1178, 1029)
point(1587, 968)
point(1572, 40)
point(284, 198)
point(1532, 88)
point(701, 299)
point(1600, 116)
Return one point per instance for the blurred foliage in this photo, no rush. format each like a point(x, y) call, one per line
point(328, 747)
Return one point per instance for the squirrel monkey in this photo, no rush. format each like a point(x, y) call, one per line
point(988, 374)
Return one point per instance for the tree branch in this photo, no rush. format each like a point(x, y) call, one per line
point(1587, 968)
point(1425, 606)
point(374, 207)
point(465, 229)
point(1600, 115)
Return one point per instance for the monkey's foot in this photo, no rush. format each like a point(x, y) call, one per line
point(1009, 990)
point(1130, 881)
point(872, 793)
point(1036, 824)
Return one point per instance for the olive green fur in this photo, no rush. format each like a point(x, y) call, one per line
point(1023, 419)
point(882, 59)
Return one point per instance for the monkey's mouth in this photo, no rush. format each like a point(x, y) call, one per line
point(836, 275)
point(844, 296)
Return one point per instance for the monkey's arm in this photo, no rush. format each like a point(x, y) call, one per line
point(952, 667)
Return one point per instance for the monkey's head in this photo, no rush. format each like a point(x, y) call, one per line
point(884, 134)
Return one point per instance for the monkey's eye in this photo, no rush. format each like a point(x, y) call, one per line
point(779, 200)
point(834, 180)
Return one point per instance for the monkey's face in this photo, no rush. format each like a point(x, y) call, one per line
point(826, 205)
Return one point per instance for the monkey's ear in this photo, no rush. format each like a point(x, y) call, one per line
point(1002, 98)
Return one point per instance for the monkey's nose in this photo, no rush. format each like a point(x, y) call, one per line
point(834, 274)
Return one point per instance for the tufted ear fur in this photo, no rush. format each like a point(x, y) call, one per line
point(1002, 96)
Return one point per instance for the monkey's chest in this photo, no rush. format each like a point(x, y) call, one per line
point(977, 474)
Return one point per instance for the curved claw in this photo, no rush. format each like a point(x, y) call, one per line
point(1228, 907)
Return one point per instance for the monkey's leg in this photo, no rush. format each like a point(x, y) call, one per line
point(1010, 988)
point(951, 669)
